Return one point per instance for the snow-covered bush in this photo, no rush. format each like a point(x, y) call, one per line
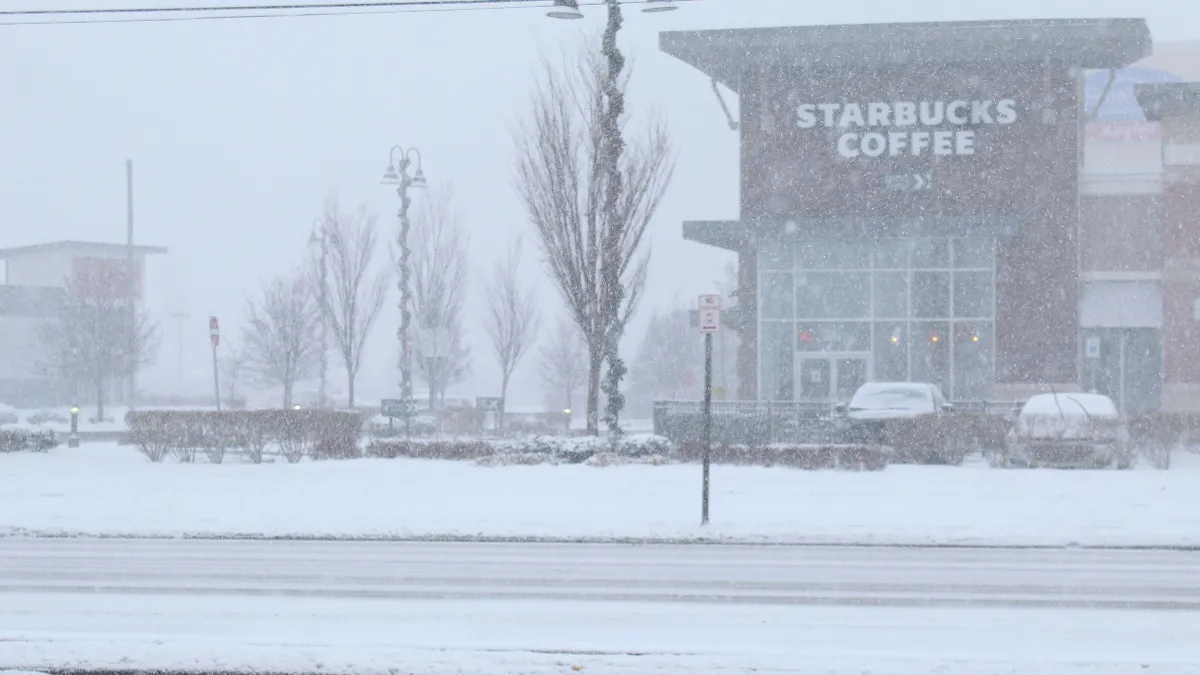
point(320, 434)
point(1160, 436)
point(607, 459)
point(560, 449)
point(799, 456)
point(518, 459)
point(23, 440)
point(43, 417)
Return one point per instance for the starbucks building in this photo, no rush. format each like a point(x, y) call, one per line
point(910, 200)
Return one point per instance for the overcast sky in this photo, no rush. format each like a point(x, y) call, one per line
point(238, 130)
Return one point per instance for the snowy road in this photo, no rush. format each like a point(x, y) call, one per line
point(496, 608)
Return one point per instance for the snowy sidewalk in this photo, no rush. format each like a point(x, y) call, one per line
point(107, 490)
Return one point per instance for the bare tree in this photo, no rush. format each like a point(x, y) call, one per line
point(669, 364)
point(354, 294)
point(511, 317)
point(232, 366)
point(279, 339)
point(564, 362)
point(439, 279)
point(87, 344)
point(591, 223)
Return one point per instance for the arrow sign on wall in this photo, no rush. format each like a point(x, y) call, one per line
point(908, 182)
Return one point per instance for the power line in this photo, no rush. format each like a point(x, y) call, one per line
point(259, 7)
point(276, 11)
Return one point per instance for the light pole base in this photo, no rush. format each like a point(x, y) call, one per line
point(72, 441)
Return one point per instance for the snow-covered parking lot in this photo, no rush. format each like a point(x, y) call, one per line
point(106, 489)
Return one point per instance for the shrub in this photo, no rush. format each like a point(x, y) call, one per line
point(799, 456)
point(1157, 436)
point(560, 449)
point(22, 440)
point(316, 433)
point(43, 417)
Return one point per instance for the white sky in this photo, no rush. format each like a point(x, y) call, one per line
point(238, 130)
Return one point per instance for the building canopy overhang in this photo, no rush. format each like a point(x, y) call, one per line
point(1174, 99)
point(737, 235)
point(80, 248)
point(726, 55)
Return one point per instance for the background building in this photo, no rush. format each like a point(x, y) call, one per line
point(35, 278)
point(1005, 236)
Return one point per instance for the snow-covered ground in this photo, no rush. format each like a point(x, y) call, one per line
point(306, 635)
point(105, 489)
point(375, 608)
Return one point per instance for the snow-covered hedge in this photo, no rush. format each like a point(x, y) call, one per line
point(640, 449)
point(857, 457)
point(320, 434)
point(547, 448)
point(23, 440)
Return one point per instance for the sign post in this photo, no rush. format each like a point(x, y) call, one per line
point(214, 335)
point(710, 322)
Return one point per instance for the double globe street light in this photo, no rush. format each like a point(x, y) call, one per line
point(399, 161)
point(569, 9)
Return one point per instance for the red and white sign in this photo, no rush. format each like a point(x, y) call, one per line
point(214, 331)
point(709, 302)
point(710, 320)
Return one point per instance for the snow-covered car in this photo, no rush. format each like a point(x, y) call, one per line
point(865, 418)
point(1067, 430)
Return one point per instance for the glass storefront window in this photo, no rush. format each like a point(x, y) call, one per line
point(973, 295)
point(974, 254)
point(931, 295)
point(891, 295)
point(923, 308)
point(890, 352)
point(931, 353)
point(833, 295)
point(833, 337)
point(833, 255)
point(777, 342)
point(775, 256)
point(931, 254)
point(892, 254)
point(777, 291)
point(972, 360)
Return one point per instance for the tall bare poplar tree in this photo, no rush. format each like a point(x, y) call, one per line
point(511, 316)
point(439, 280)
point(590, 220)
point(354, 291)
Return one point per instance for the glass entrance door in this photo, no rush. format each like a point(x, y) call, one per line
point(826, 378)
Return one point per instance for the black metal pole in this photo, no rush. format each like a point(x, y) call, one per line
point(707, 424)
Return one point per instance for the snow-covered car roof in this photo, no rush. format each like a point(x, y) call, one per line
point(908, 396)
point(1070, 405)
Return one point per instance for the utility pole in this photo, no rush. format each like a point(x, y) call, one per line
point(129, 280)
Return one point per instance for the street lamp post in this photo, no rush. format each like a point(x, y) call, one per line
point(399, 160)
point(73, 439)
point(320, 240)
